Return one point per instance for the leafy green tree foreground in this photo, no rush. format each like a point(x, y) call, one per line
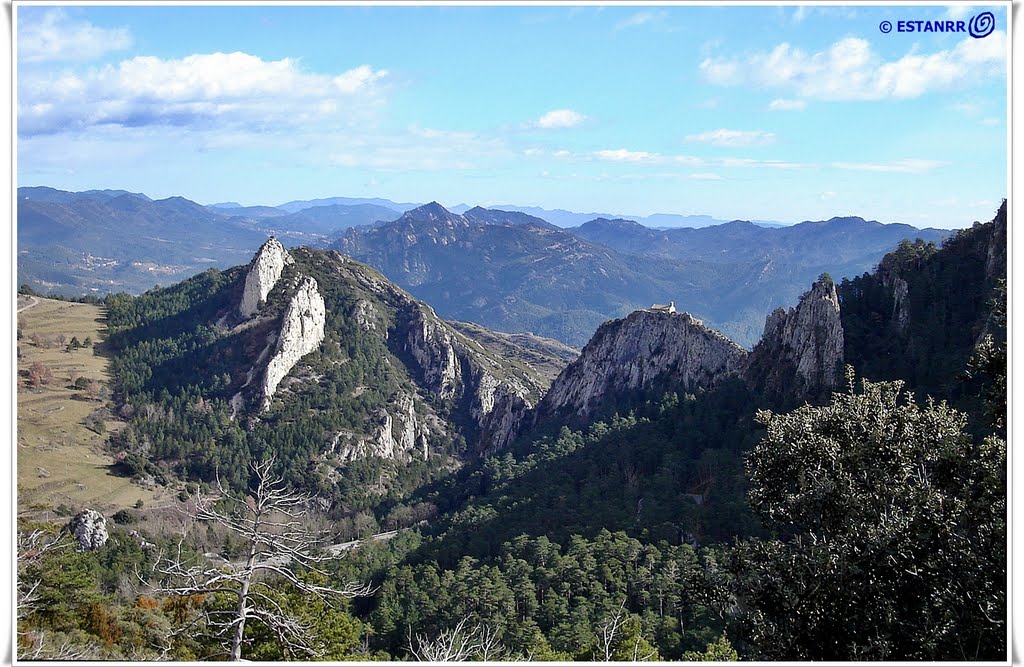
point(891, 524)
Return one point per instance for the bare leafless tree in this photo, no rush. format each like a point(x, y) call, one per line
point(459, 644)
point(270, 523)
point(608, 633)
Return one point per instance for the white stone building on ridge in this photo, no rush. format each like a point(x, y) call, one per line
point(670, 307)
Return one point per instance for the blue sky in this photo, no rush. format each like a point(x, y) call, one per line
point(782, 113)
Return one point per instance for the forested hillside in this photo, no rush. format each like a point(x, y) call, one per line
point(673, 508)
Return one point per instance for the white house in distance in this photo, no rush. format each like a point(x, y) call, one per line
point(663, 308)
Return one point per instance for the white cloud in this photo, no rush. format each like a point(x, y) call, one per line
point(958, 11)
point(623, 155)
point(733, 138)
point(413, 149)
point(644, 157)
point(787, 105)
point(908, 166)
point(770, 164)
point(851, 70)
point(53, 36)
point(967, 108)
point(990, 121)
point(559, 119)
point(641, 18)
point(198, 90)
point(706, 176)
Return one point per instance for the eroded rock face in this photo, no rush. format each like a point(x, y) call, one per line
point(432, 347)
point(403, 435)
point(901, 300)
point(643, 351)
point(500, 410)
point(496, 403)
point(302, 331)
point(801, 352)
point(263, 274)
point(89, 528)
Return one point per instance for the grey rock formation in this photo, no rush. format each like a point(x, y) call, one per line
point(500, 410)
point(453, 367)
point(302, 331)
point(431, 345)
point(644, 351)
point(264, 272)
point(89, 528)
point(901, 300)
point(800, 354)
point(401, 432)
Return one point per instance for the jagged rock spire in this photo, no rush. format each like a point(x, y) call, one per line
point(264, 272)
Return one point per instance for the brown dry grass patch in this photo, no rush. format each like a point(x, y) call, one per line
point(59, 460)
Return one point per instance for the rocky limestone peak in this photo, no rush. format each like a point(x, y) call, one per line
point(800, 354)
point(432, 212)
point(263, 274)
point(645, 351)
point(89, 529)
point(302, 331)
point(995, 263)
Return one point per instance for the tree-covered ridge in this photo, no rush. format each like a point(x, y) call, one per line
point(671, 470)
point(919, 316)
point(182, 354)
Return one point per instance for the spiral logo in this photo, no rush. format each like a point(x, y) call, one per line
point(885, 26)
point(981, 25)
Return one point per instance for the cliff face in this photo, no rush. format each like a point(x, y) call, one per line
point(644, 351)
point(488, 399)
point(264, 272)
point(302, 331)
point(402, 433)
point(800, 354)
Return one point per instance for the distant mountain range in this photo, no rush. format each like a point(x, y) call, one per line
point(510, 270)
point(512, 275)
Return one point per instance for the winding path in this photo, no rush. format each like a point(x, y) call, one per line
point(35, 302)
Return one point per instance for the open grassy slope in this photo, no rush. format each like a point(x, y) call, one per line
point(60, 460)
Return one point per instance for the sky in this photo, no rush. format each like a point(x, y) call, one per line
point(783, 113)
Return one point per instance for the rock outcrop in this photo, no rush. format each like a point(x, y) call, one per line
point(499, 410)
point(645, 351)
point(89, 529)
point(302, 331)
point(402, 433)
point(431, 345)
point(900, 300)
point(493, 401)
point(263, 274)
point(800, 355)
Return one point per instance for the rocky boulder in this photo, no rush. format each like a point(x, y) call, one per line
point(89, 529)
